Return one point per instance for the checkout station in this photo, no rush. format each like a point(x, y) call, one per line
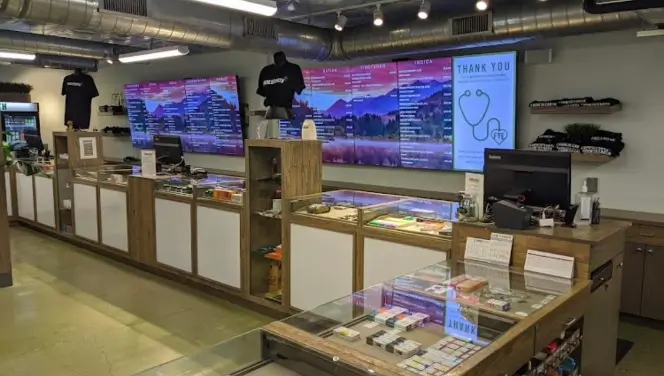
point(376, 283)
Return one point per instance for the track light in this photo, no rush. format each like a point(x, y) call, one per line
point(17, 55)
point(425, 7)
point(482, 5)
point(378, 16)
point(341, 22)
point(157, 53)
point(262, 7)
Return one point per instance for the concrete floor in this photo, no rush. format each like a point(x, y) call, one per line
point(74, 313)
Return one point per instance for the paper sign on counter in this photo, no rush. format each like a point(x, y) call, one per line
point(549, 263)
point(474, 186)
point(501, 248)
point(477, 249)
point(148, 163)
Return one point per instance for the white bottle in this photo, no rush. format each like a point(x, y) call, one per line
point(585, 209)
point(309, 130)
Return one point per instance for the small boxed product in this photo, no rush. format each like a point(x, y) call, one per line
point(499, 304)
point(371, 339)
point(346, 334)
point(420, 318)
point(237, 198)
point(406, 324)
point(392, 322)
point(456, 280)
point(471, 285)
point(407, 348)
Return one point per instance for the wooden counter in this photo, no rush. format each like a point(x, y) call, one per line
point(6, 279)
point(598, 253)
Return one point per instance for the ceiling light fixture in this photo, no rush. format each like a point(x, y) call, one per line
point(482, 5)
point(378, 16)
point(425, 7)
point(341, 22)
point(17, 55)
point(262, 7)
point(157, 53)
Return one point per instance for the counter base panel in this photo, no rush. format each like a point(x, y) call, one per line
point(8, 191)
point(173, 232)
point(25, 197)
point(85, 212)
point(45, 201)
point(113, 207)
point(219, 245)
point(321, 266)
point(385, 260)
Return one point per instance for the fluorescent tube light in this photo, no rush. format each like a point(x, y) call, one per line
point(17, 55)
point(157, 53)
point(262, 7)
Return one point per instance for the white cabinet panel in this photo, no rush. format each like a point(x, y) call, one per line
point(218, 245)
point(386, 260)
point(85, 212)
point(45, 201)
point(113, 206)
point(321, 266)
point(173, 222)
point(25, 197)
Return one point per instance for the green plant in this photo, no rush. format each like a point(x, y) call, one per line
point(15, 88)
point(581, 132)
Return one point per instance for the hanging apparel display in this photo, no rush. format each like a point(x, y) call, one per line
point(279, 82)
point(78, 89)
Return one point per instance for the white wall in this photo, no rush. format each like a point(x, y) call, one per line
point(614, 64)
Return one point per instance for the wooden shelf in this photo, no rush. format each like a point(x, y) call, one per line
point(591, 158)
point(575, 110)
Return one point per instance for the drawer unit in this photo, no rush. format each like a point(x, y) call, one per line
point(646, 234)
point(561, 318)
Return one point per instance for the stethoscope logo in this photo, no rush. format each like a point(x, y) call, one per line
point(482, 99)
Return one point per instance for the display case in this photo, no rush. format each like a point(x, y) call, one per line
point(220, 188)
point(188, 187)
point(341, 205)
point(395, 328)
point(413, 215)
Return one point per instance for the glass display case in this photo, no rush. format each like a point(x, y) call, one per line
point(413, 215)
point(185, 186)
point(429, 322)
point(111, 174)
point(34, 166)
point(220, 189)
point(341, 205)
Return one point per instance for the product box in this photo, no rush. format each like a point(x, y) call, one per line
point(346, 334)
point(471, 285)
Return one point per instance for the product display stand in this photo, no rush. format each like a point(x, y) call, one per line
point(275, 170)
point(5, 253)
point(598, 256)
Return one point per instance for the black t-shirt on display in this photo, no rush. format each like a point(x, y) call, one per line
point(79, 89)
point(278, 84)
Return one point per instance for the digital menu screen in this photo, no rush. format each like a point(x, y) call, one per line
point(333, 113)
point(425, 113)
point(204, 112)
point(375, 108)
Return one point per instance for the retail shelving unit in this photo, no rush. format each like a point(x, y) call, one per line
point(74, 150)
point(275, 170)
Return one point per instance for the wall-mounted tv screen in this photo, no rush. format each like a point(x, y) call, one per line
point(437, 114)
point(205, 113)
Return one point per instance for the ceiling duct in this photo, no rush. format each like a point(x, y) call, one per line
point(188, 22)
point(44, 44)
point(509, 24)
point(181, 22)
point(66, 62)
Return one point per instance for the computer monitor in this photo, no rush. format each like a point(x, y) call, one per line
point(168, 150)
point(534, 178)
point(33, 140)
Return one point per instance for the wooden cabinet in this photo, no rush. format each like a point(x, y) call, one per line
point(632, 283)
point(652, 298)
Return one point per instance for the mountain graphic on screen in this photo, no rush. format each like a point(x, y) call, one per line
point(382, 104)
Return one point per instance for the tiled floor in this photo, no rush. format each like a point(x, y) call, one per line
point(77, 314)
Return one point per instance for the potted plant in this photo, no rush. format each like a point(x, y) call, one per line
point(15, 92)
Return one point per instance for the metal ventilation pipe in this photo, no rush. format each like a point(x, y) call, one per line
point(508, 25)
point(180, 22)
point(599, 7)
point(44, 44)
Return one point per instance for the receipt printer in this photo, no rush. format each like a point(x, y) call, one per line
point(507, 214)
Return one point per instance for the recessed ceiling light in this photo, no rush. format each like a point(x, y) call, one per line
point(482, 5)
